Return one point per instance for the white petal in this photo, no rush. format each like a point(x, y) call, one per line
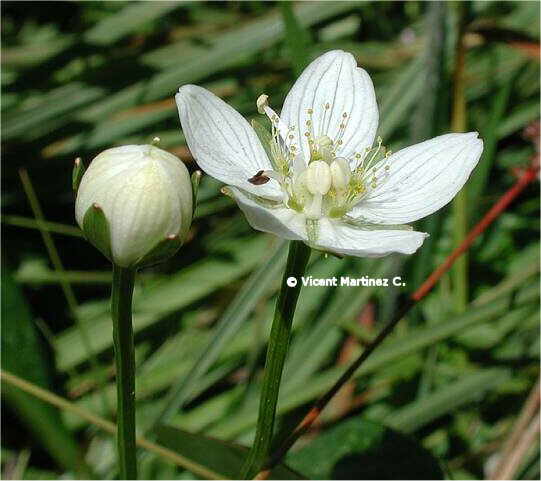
point(222, 142)
point(336, 236)
point(283, 222)
point(421, 179)
point(334, 78)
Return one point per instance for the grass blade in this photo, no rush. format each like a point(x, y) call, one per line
point(235, 315)
point(469, 388)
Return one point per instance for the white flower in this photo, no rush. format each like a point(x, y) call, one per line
point(135, 204)
point(316, 177)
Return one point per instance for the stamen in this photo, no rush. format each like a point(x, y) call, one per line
point(262, 102)
point(341, 130)
point(322, 127)
point(323, 184)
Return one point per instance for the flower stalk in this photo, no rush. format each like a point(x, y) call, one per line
point(135, 204)
point(280, 335)
point(505, 200)
point(121, 310)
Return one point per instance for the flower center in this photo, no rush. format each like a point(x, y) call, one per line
point(326, 184)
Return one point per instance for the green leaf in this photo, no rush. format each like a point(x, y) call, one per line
point(36, 271)
point(488, 335)
point(297, 39)
point(470, 387)
point(362, 449)
point(23, 355)
point(479, 178)
point(318, 341)
point(227, 327)
point(127, 20)
point(518, 118)
point(219, 52)
point(78, 172)
point(96, 229)
point(31, 223)
point(61, 103)
point(163, 297)
point(400, 97)
point(426, 123)
point(222, 457)
point(295, 394)
point(26, 56)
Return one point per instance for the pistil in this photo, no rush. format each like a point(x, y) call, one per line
point(324, 184)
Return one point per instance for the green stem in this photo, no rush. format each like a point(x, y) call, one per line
point(121, 311)
point(297, 259)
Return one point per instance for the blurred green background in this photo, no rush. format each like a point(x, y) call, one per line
point(441, 397)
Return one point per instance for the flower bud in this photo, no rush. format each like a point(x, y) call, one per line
point(340, 173)
point(318, 177)
point(134, 203)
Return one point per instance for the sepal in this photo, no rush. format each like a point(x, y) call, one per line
point(196, 180)
point(163, 250)
point(96, 230)
point(78, 172)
